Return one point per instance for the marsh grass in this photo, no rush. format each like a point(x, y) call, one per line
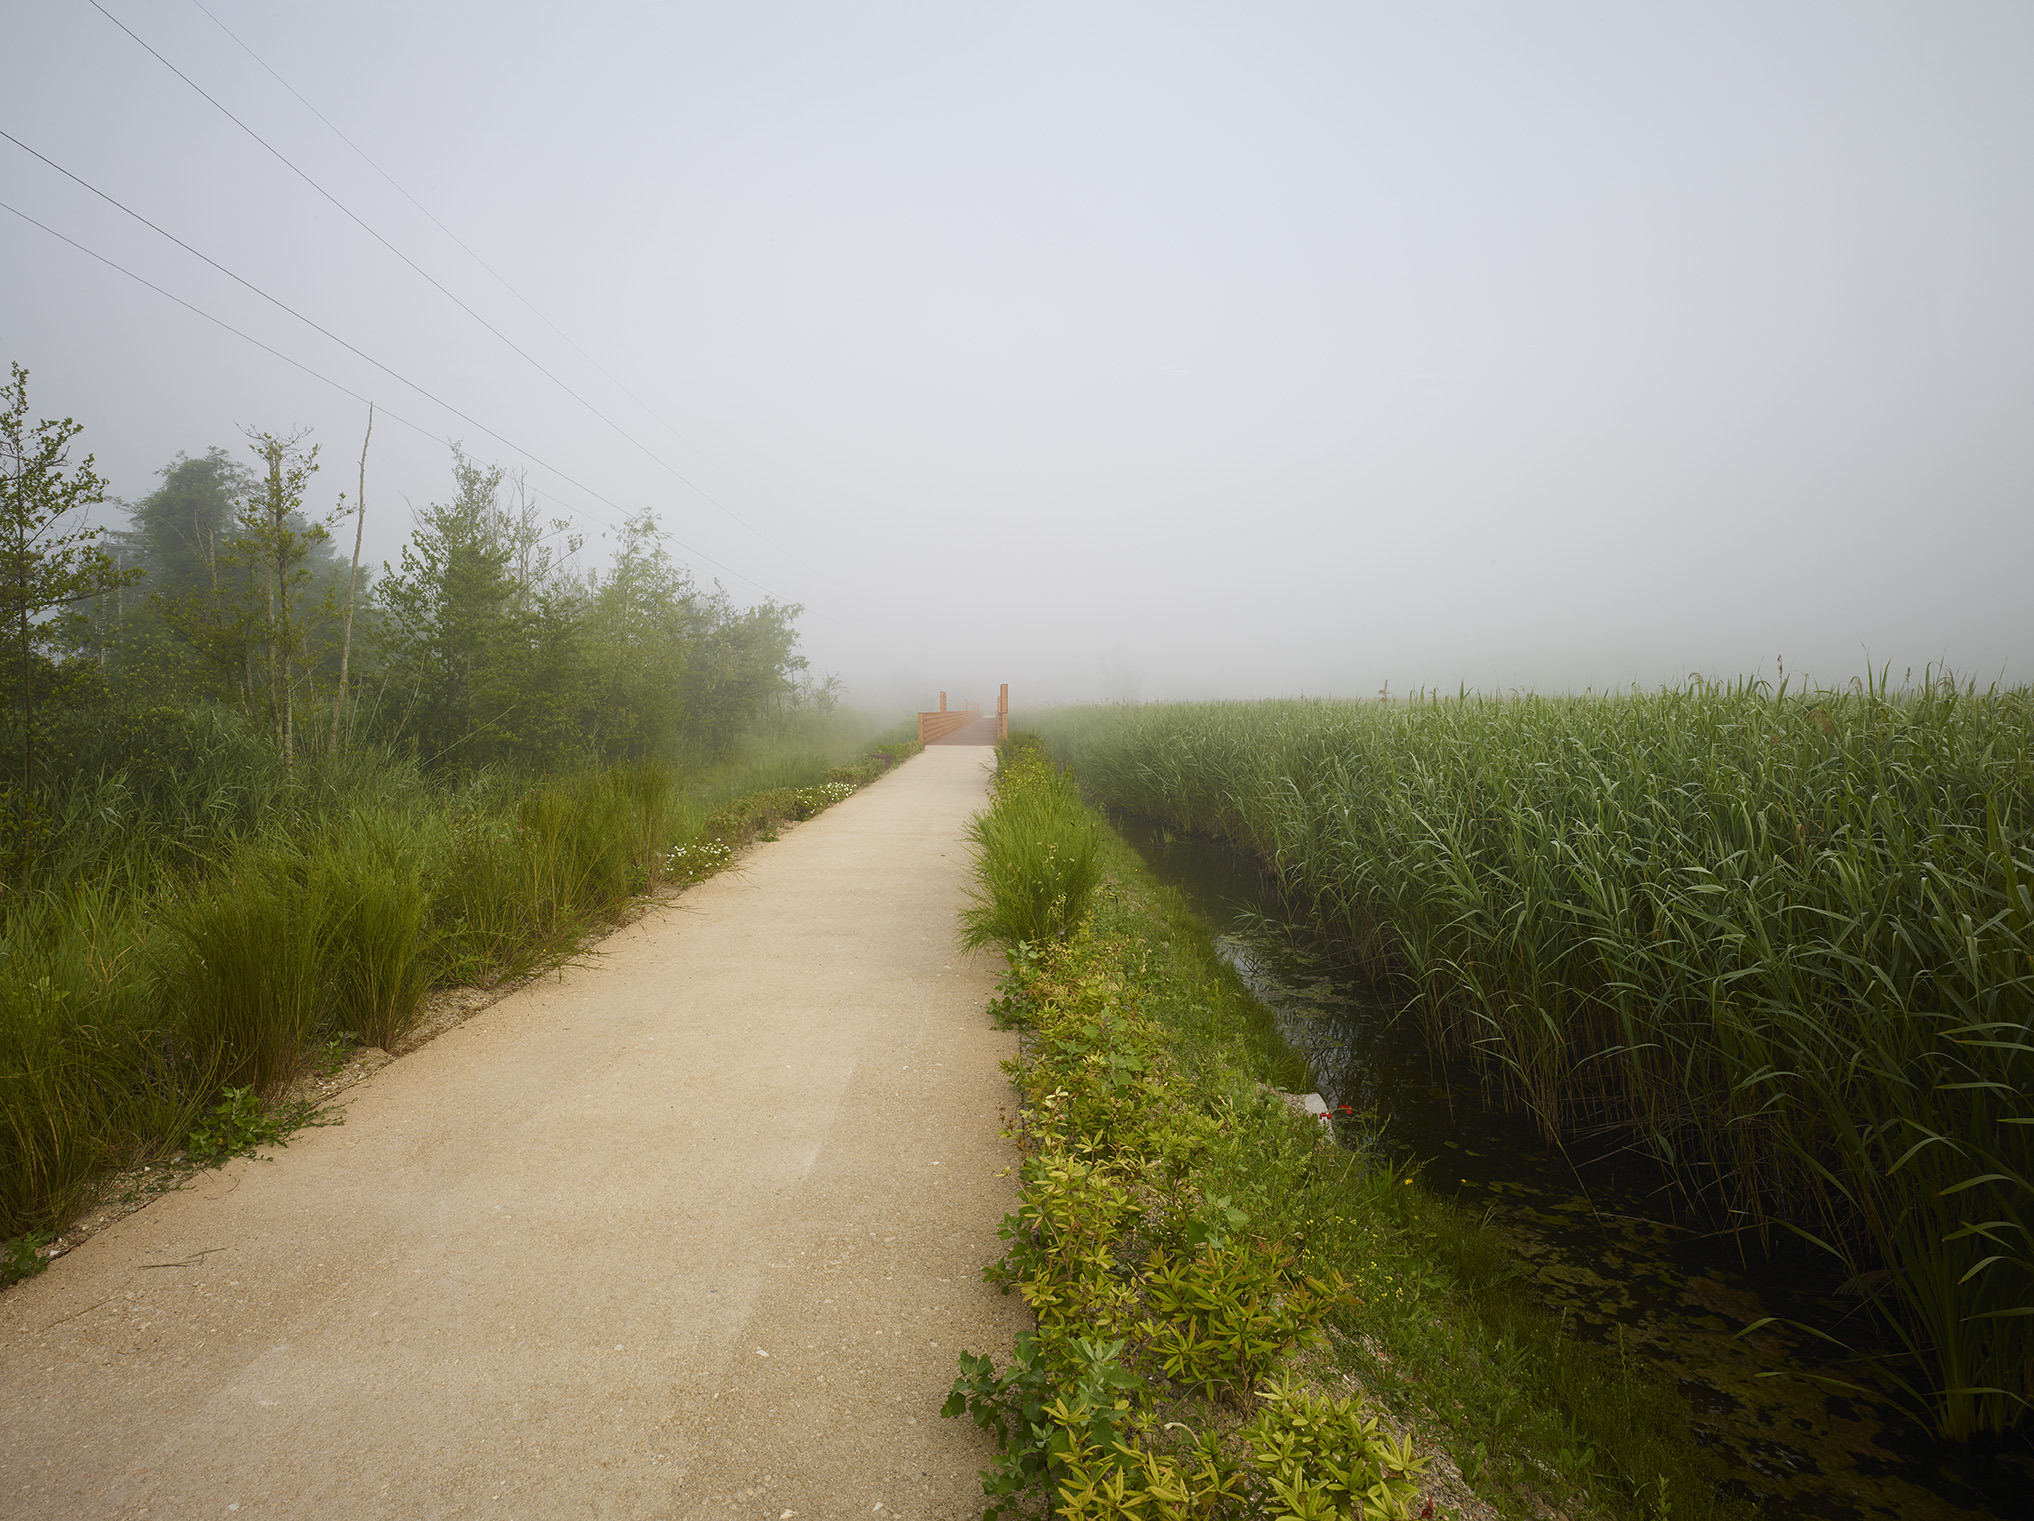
point(1144, 1046)
point(1784, 942)
point(246, 962)
point(85, 1053)
point(197, 930)
point(381, 954)
point(1036, 864)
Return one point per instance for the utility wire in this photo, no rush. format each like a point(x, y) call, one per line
point(215, 321)
point(297, 364)
point(466, 248)
point(428, 277)
point(357, 352)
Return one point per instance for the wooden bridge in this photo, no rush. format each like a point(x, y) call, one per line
point(966, 724)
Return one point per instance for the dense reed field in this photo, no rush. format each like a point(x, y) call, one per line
point(212, 925)
point(1784, 941)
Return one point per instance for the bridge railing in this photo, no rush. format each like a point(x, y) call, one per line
point(939, 724)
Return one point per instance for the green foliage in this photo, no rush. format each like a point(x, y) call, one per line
point(246, 970)
point(87, 1055)
point(219, 860)
point(1784, 941)
point(1146, 1291)
point(219, 922)
point(240, 1122)
point(21, 1256)
point(47, 567)
point(1224, 1316)
point(379, 951)
point(1176, 1217)
point(1326, 1458)
point(1035, 863)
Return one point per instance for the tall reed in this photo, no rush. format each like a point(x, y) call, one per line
point(1784, 940)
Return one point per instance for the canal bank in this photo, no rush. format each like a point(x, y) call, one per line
point(1600, 1243)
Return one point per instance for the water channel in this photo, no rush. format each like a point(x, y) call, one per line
point(1601, 1236)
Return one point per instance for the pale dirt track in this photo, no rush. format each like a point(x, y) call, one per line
point(534, 1272)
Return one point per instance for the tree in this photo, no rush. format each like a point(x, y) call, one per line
point(352, 584)
point(451, 627)
point(45, 568)
point(275, 543)
point(642, 622)
point(181, 527)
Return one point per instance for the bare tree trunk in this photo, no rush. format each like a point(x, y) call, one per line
point(25, 816)
point(352, 580)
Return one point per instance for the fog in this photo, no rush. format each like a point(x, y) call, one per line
point(1109, 351)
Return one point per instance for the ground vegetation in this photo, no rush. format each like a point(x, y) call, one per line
point(1781, 941)
point(1236, 1317)
point(223, 857)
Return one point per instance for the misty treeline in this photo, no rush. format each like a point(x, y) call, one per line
point(234, 594)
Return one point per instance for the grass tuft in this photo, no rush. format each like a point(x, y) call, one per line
point(1036, 864)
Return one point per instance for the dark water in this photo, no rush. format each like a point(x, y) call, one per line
point(1600, 1230)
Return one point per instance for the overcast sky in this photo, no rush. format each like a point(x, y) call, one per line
point(1111, 350)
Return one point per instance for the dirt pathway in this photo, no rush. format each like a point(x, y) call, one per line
point(695, 1230)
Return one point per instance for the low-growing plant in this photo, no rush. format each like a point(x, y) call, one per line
point(22, 1256)
point(240, 1122)
point(1328, 1458)
point(1223, 1317)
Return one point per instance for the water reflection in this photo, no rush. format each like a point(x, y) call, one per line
point(1602, 1234)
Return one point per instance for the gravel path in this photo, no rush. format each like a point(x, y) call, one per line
point(696, 1229)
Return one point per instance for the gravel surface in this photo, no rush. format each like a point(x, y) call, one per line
point(693, 1229)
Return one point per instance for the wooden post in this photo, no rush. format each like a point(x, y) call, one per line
point(942, 702)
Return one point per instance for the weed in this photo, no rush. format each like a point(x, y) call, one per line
point(239, 1123)
point(22, 1256)
point(1036, 867)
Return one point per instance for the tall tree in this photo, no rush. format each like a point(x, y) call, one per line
point(47, 567)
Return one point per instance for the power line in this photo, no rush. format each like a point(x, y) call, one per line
point(216, 321)
point(350, 348)
point(429, 278)
point(297, 364)
point(474, 255)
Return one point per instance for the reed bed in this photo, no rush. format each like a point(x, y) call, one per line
point(1782, 940)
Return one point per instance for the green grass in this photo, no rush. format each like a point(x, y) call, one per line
point(1146, 1126)
point(186, 937)
point(1784, 941)
point(1035, 865)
